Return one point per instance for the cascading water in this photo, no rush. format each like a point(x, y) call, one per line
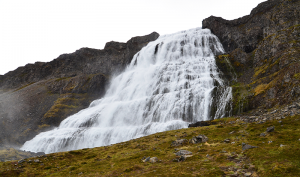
point(170, 83)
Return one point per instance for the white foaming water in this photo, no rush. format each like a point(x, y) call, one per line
point(170, 83)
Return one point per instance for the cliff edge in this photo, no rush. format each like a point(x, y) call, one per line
point(264, 50)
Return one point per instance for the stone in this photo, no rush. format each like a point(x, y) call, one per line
point(262, 134)
point(248, 174)
point(270, 129)
point(227, 140)
point(292, 106)
point(153, 159)
point(273, 111)
point(281, 145)
point(182, 158)
point(40, 153)
point(199, 139)
point(179, 142)
point(147, 159)
point(21, 161)
point(36, 160)
point(183, 152)
point(247, 146)
point(200, 124)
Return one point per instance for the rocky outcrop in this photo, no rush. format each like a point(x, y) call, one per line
point(246, 32)
point(39, 96)
point(264, 50)
point(113, 58)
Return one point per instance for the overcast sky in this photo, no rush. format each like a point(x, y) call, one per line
point(39, 30)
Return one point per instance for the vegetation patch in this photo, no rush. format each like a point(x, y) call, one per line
point(221, 155)
point(260, 89)
point(65, 105)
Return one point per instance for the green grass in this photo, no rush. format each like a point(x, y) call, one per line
point(125, 158)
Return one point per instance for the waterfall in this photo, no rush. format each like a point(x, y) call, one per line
point(170, 83)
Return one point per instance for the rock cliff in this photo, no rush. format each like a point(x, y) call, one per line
point(39, 96)
point(264, 50)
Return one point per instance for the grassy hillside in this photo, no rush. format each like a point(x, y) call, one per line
point(277, 154)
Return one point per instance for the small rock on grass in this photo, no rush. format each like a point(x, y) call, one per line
point(248, 174)
point(232, 132)
point(153, 159)
point(179, 142)
point(227, 140)
point(270, 129)
point(183, 152)
point(147, 159)
point(199, 139)
point(262, 134)
point(247, 146)
point(181, 158)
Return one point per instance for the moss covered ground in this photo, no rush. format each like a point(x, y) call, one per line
point(277, 154)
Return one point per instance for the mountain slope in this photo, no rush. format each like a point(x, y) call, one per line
point(39, 96)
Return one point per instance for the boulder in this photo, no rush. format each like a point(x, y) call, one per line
point(179, 142)
point(200, 124)
point(199, 139)
point(183, 153)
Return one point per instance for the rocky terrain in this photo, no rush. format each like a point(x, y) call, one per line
point(264, 50)
point(39, 96)
point(261, 138)
point(236, 147)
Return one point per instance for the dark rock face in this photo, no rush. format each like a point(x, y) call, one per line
point(115, 56)
point(246, 32)
point(38, 96)
point(264, 50)
point(201, 124)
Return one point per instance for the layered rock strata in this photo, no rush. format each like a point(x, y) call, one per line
point(264, 50)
